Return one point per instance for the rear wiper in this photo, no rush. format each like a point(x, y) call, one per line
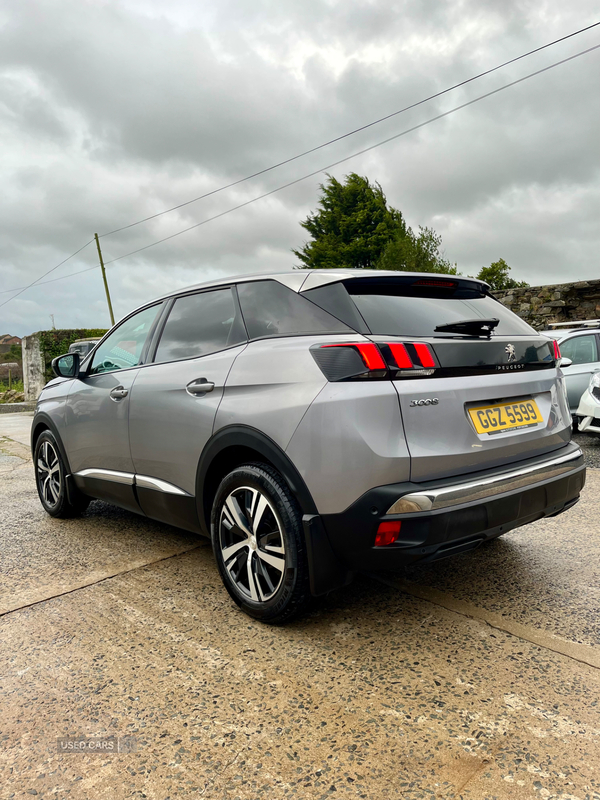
point(470, 327)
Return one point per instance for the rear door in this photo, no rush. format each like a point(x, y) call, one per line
point(175, 400)
point(508, 381)
point(582, 349)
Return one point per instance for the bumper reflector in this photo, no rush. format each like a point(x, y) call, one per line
point(387, 532)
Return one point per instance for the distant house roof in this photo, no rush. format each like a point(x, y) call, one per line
point(7, 338)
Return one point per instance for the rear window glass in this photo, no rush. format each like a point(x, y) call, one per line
point(392, 309)
point(270, 309)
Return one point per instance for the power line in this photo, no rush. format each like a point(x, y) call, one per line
point(351, 133)
point(358, 153)
point(24, 289)
point(52, 280)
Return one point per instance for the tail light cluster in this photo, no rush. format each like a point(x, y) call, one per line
point(557, 355)
point(366, 360)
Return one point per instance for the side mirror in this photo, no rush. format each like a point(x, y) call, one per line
point(66, 366)
point(565, 362)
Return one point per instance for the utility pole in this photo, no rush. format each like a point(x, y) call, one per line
point(110, 311)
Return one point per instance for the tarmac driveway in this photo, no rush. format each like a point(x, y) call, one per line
point(477, 677)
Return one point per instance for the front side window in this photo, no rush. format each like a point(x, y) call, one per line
point(122, 349)
point(580, 349)
point(200, 324)
point(271, 309)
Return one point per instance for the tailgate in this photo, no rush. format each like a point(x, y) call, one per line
point(518, 407)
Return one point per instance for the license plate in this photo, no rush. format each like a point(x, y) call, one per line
point(505, 416)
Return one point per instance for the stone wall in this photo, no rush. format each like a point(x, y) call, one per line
point(563, 302)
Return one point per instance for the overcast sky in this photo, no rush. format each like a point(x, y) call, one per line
point(113, 110)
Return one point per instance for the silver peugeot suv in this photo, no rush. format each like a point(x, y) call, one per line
point(313, 424)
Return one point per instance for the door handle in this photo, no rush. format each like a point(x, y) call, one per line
point(118, 393)
point(199, 387)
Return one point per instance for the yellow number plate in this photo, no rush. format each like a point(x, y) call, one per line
point(505, 416)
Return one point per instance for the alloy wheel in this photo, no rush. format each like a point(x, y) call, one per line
point(49, 473)
point(252, 543)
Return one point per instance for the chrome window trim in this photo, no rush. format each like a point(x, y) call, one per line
point(448, 496)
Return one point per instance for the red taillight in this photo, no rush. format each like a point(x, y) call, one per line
point(556, 350)
point(368, 352)
point(387, 533)
point(409, 357)
point(401, 357)
point(424, 353)
point(371, 356)
point(344, 361)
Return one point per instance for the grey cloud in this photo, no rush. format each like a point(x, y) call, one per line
point(115, 111)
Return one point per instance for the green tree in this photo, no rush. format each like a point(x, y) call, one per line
point(355, 227)
point(497, 276)
point(352, 226)
point(412, 252)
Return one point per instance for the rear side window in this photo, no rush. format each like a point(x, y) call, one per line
point(396, 308)
point(271, 309)
point(200, 324)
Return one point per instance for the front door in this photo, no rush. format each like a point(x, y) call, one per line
point(175, 400)
point(96, 435)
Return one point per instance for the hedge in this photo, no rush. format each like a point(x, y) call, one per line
point(56, 343)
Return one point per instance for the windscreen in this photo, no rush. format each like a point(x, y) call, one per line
point(401, 309)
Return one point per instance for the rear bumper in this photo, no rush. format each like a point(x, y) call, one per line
point(442, 518)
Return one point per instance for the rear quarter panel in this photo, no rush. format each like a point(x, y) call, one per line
point(350, 440)
point(270, 387)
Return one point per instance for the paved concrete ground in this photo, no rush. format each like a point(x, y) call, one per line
point(477, 677)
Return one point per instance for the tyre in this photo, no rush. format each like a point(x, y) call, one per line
point(257, 537)
point(50, 479)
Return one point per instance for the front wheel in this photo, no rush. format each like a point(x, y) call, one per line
point(51, 480)
point(257, 537)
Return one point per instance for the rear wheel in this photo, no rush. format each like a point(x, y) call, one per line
point(50, 479)
point(258, 541)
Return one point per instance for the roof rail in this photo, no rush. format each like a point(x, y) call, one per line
point(582, 323)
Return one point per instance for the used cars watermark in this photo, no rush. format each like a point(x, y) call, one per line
point(88, 744)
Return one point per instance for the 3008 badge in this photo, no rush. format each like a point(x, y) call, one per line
point(428, 401)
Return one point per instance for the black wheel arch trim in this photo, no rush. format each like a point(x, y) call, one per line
point(42, 419)
point(246, 436)
point(325, 571)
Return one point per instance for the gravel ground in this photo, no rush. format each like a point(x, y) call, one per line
point(475, 677)
point(590, 444)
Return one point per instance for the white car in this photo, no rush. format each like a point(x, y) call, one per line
point(579, 344)
point(589, 406)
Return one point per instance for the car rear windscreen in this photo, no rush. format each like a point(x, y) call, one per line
point(403, 308)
